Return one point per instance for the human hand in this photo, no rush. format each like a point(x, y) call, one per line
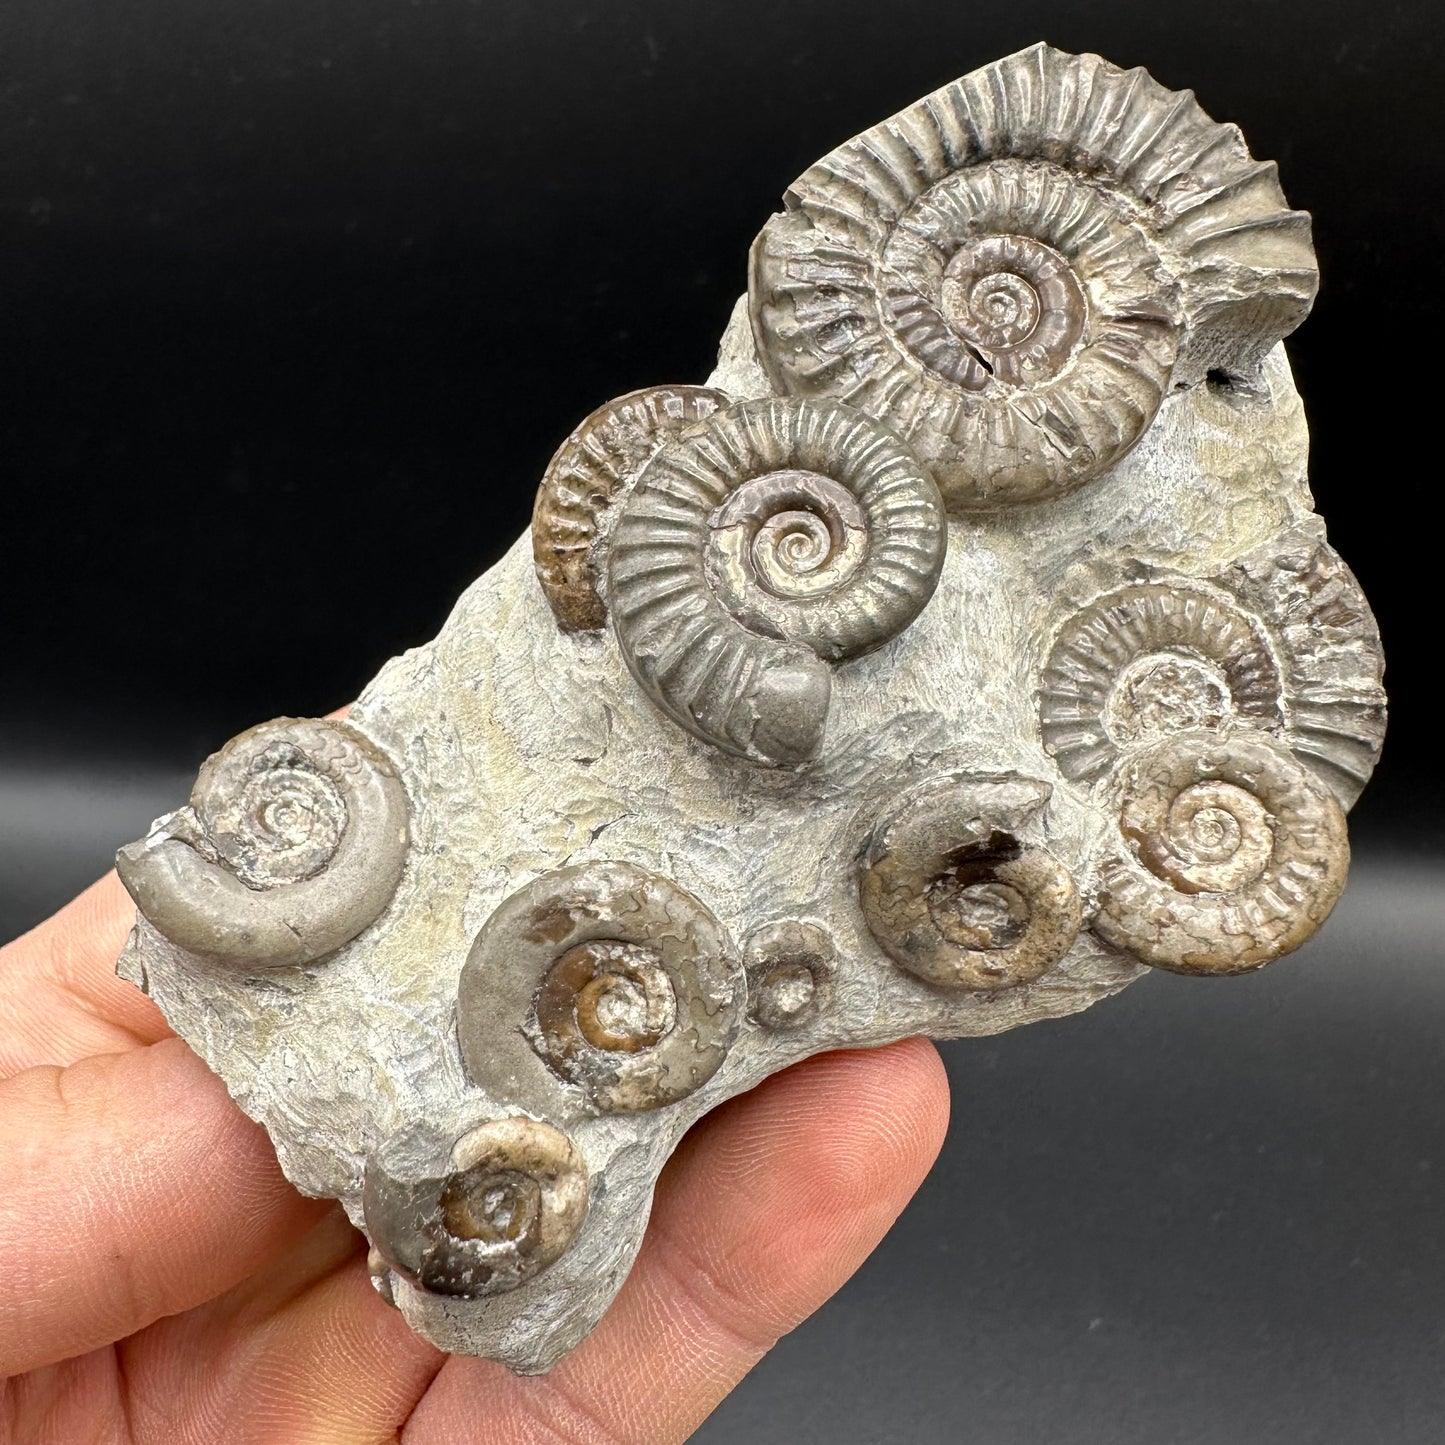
point(163, 1281)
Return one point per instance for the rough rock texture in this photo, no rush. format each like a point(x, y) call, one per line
point(640, 876)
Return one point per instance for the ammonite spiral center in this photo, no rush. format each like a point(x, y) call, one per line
point(284, 824)
point(1017, 302)
point(975, 911)
point(786, 993)
point(1217, 838)
point(790, 534)
point(620, 999)
point(1165, 693)
point(502, 1207)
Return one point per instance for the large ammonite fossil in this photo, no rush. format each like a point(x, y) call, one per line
point(784, 730)
point(1014, 270)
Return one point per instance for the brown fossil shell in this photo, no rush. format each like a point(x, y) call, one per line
point(954, 895)
point(1232, 855)
point(601, 456)
point(772, 540)
point(625, 985)
point(790, 966)
point(1015, 269)
point(508, 1202)
point(293, 842)
point(1150, 660)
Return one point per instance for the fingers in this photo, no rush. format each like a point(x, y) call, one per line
point(305, 1351)
point(134, 1188)
point(59, 994)
point(768, 1208)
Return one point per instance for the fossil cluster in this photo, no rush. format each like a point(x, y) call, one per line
point(964, 647)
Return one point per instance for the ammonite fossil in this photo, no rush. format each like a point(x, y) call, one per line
point(293, 842)
point(628, 988)
point(511, 1195)
point(1234, 856)
point(599, 459)
point(1015, 269)
point(790, 726)
point(954, 893)
point(770, 541)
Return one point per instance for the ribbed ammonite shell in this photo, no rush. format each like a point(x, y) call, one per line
point(1147, 661)
point(294, 841)
point(601, 456)
point(772, 540)
point(1234, 854)
point(1014, 270)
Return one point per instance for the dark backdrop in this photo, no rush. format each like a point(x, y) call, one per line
point(296, 298)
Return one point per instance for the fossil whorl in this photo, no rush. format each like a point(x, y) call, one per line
point(1234, 854)
point(1013, 270)
point(770, 541)
point(790, 966)
point(1330, 653)
point(953, 893)
point(624, 984)
point(1150, 660)
point(294, 841)
point(507, 1202)
point(601, 456)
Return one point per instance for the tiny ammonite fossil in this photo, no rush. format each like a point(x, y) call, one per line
point(819, 741)
point(1151, 660)
point(506, 1202)
point(790, 967)
point(624, 984)
point(1232, 855)
point(600, 457)
point(955, 896)
point(293, 842)
point(1014, 270)
point(769, 542)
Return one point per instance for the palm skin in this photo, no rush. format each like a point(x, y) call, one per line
point(163, 1282)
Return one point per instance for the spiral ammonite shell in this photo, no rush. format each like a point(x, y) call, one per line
point(294, 841)
point(601, 456)
point(1014, 270)
point(790, 966)
point(953, 893)
point(508, 1202)
point(1234, 854)
point(624, 983)
point(773, 539)
point(1151, 660)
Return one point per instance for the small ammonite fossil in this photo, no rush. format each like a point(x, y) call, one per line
point(1233, 854)
point(625, 985)
point(954, 895)
point(293, 842)
point(506, 1203)
point(772, 541)
point(597, 461)
point(790, 966)
point(1014, 270)
point(1148, 661)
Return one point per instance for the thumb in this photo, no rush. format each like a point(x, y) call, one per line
point(134, 1189)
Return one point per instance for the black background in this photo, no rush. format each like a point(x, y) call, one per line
point(296, 299)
